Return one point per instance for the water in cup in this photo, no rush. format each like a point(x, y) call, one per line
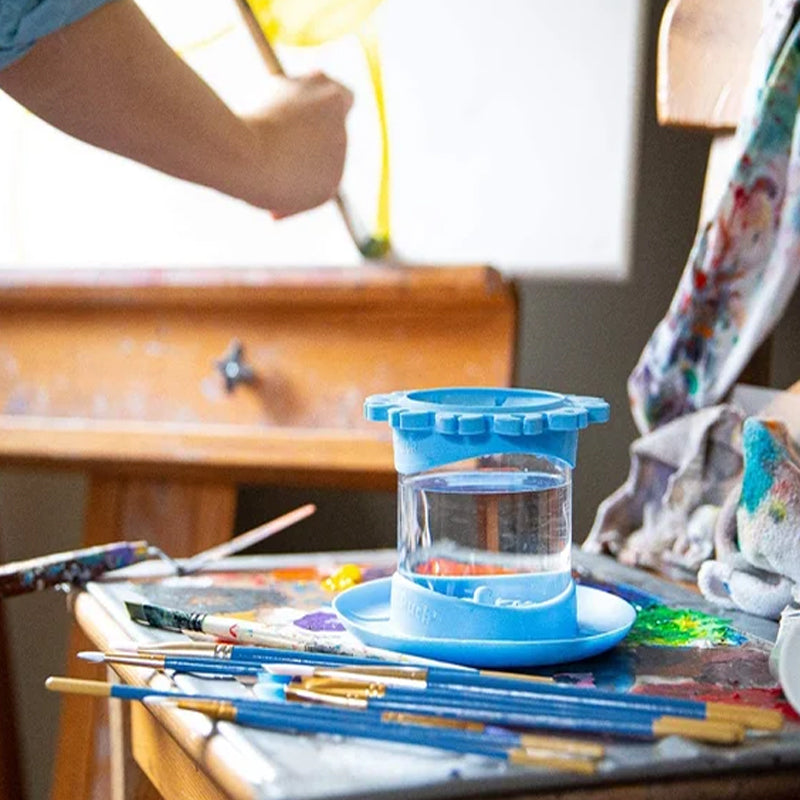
point(494, 515)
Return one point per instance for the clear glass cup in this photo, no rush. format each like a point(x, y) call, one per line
point(498, 515)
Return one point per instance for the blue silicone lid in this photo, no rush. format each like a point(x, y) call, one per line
point(431, 427)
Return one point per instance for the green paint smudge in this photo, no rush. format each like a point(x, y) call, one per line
point(660, 625)
point(777, 511)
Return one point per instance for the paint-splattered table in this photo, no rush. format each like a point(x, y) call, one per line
point(678, 646)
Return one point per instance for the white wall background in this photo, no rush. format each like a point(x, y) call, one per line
point(511, 127)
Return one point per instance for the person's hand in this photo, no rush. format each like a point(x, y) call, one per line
point(300, 143)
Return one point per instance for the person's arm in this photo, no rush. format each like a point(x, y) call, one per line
point(111, 80)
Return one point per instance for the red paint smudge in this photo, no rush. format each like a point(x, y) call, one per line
point(766, 697)
point(447, 566)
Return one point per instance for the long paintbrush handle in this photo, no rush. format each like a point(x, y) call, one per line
point(74, 566)
point(268, 56)
point(273, 64)
point(248, 539)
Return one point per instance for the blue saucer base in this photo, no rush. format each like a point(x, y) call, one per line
point(603, 620)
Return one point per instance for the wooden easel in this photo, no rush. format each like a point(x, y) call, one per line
point(122, 375)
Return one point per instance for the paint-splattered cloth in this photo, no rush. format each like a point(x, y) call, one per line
point(744, 264)
point(24, 22)
point(663, 516)
point(756, 566)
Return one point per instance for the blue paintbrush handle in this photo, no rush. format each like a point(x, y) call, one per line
point(210, 666)
point(271, 655)
point(579, 696)
point(437, 698)
point(295, 718)
point(546, 718)
point(308, 718)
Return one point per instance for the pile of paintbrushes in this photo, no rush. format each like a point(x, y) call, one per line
point(522, 719)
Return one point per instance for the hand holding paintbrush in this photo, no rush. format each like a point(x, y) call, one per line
point(371, 247)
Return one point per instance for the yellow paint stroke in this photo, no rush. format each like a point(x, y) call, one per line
point(309, 23)
point(369, 42)
point(207, 41)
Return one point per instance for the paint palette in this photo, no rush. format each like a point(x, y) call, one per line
point(677, 647)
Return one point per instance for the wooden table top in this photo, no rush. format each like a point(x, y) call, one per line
point(185, 756)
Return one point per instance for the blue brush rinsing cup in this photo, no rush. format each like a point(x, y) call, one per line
point(484, 510)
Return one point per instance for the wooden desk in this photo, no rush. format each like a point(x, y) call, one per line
point(118, 373)
point(183, 758)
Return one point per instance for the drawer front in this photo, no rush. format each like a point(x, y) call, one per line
point(311, 367)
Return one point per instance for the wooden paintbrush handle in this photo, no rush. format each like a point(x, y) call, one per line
point(265, 50)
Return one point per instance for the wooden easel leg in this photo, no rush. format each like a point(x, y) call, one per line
point(181, 518)
point(10, 771)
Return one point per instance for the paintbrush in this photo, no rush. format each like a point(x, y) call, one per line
point(371, 247)
point(245, 540)
point(270, 655)
point(443, 700)
point(586, 721)
point(386, 727)
point(78, 567)
point(234, 629)
point(194, 666)
point(240, 668)
point(520, 688)
point(253, 658)
point(414, 700)
point(423, 730)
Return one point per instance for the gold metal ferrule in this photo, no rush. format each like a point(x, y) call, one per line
point(219, 709)
point(141, 660)
point(343, 688)
point(224, 651)
point(407, 677)
point(311, 696)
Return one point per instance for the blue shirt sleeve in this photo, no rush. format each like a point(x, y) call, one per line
point(24, 22)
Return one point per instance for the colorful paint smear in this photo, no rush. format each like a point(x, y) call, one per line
point(682, 652)
point(320, 621)
point(638, 598)
point(658, 624)
point(768, 697)
point(295, 574)
point(346, 576)
point(681, 627)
